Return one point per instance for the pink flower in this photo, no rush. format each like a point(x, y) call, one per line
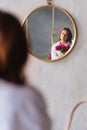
point(67, 47)
point(62, 46)
point(49, 55)
point(57, 47)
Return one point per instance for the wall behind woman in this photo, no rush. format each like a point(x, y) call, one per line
point(63, 83)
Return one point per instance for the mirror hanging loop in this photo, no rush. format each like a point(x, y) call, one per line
point(49, 2)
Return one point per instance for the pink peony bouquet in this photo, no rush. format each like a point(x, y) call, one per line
point(63, 48)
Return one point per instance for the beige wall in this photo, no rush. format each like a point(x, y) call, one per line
point(63, 83)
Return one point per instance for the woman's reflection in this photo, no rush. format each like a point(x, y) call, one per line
point(63, 45)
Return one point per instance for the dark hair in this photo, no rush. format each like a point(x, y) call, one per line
point(69, 38)
point(14, 54)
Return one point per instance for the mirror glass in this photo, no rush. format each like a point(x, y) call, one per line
point(50, 32)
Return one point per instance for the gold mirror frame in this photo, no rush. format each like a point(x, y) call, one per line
point(63, 11)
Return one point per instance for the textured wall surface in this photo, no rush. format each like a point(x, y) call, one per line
point(63, 83)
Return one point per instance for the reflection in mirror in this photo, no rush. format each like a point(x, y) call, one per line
point(51, 33)
point(62, 45)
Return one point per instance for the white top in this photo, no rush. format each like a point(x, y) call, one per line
point(55, 53)
point(22, 108)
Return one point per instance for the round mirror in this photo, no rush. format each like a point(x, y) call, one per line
point(50, 31)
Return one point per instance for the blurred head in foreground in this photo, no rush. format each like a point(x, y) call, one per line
point(13, 48)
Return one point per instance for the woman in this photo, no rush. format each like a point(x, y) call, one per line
point(21, 107)
point(63, 45)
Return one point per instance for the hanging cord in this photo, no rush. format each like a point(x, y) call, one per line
point(49, 2)
point(68, 124)
point(52, 36)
